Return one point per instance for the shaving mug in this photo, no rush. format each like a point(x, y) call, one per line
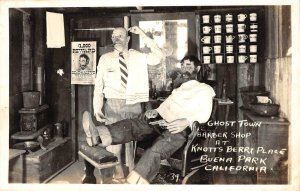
point(228, 17)
point(253, 37)
point(253, 16)
point(217, 18)
point(206, 59)
point(229, 28)
point(242, 37)
point(230, 59)
point(253, 48)
point(263, 99)
point(242, 58)
point(218, 28)
point(206, 49)
point(219, 59)
point(241, 27)
point(229, 38)
point(242, 48)
point(229, 48)
point(217, 49)
point(206, 39)
point(253, 58)
point(253, 27)
point(242, 17)
point(206, 29)
point(205, 18)
point(218, 38)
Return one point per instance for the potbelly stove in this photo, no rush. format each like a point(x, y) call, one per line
point(33, 122)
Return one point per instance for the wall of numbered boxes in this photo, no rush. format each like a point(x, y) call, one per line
point(229, 38)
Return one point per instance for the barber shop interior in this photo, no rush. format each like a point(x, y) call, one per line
point(150, 95)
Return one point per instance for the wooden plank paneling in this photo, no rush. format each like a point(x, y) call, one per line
point(278, 64)
point(272, 32)
point(277, 77)
point(15, 69)
point(27, 76)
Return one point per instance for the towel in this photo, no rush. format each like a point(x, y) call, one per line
point(55, 30)
point(137, 82)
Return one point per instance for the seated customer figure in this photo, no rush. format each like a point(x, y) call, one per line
point(192, 64)
point(192, 101)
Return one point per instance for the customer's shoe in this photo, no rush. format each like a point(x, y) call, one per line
point(92, 135)
point(88, 180)
point(119, 181)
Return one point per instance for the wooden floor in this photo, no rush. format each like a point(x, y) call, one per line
point(75, 172)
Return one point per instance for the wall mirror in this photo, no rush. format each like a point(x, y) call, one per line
point(174, 34)
point(172, 37)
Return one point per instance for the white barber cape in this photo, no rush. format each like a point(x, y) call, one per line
point(192, 100)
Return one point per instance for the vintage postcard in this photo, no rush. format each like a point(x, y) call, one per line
point(222, 80)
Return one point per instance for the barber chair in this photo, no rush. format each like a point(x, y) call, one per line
point(184, 166)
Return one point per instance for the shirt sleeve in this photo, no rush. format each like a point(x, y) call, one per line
point(99, 85)
point(156, 54)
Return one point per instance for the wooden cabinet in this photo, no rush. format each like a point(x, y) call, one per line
point(16, 171)
point(270, 142)
point(42, 165)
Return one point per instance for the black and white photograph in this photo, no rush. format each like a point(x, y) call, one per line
point(103, 96)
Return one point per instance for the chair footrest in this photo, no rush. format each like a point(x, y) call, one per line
point(98, 154)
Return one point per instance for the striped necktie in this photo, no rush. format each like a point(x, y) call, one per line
point(123, 68)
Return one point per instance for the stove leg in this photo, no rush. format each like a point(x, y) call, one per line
point(89, 177)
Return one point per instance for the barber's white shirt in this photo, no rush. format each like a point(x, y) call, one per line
point(108, 77)
point(192, 100)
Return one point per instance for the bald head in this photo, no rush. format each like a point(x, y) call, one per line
point(120, 39)
point(120, 30)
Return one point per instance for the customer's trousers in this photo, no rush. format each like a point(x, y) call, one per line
point(116, 110)
point(136, 129)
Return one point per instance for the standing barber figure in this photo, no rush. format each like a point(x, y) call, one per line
point(112, 81)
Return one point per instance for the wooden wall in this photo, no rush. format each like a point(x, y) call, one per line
point(20, 63)
point(278, 63)
point(58, 88)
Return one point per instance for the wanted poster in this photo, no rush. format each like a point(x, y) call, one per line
point(83, 56)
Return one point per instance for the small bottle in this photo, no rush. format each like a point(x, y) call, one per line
point(154, 93)
point(224, 96)
point(150, 89)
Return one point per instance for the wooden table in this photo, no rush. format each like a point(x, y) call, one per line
point(271, 134)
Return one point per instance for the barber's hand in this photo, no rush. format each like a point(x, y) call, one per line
point(178, 125)
point(100, 116)
point(151, 113)
point(136, 30)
